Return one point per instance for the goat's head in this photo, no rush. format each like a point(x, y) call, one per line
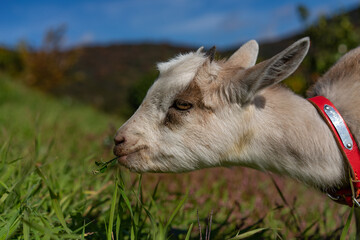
point(190, 117)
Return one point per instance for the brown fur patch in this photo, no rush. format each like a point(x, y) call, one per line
point(244, 141)
point(193, 95)
point(174, 118)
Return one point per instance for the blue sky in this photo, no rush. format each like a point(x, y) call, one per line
point(192, 22)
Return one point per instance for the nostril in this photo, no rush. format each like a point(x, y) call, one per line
point(119, 139)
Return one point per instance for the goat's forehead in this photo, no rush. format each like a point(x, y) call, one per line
point(175, 76)
point(182, 63)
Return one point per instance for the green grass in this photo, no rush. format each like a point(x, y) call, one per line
point(47, 190)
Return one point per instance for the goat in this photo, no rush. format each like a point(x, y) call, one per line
point(203, 112)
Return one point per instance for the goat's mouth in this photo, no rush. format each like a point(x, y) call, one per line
point(124, 157)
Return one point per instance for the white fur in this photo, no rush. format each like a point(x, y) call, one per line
point(242, 120)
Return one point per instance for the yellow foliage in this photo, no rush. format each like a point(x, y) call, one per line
point(48, 66)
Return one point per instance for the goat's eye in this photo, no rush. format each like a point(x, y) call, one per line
point(182, 105)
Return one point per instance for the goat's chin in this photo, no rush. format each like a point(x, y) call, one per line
point(140, 162)
point(133, 161)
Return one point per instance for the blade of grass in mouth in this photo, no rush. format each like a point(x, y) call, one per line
point(102, 166)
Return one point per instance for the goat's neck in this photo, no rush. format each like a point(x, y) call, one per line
point(290, 138)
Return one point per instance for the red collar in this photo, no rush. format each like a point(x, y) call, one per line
point(348, 147)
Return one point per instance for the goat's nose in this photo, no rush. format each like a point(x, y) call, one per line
point(119, 139)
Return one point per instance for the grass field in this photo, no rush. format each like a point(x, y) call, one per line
point(47, 190)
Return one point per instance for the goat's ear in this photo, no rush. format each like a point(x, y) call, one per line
point(245, 56)
point(274, 69)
